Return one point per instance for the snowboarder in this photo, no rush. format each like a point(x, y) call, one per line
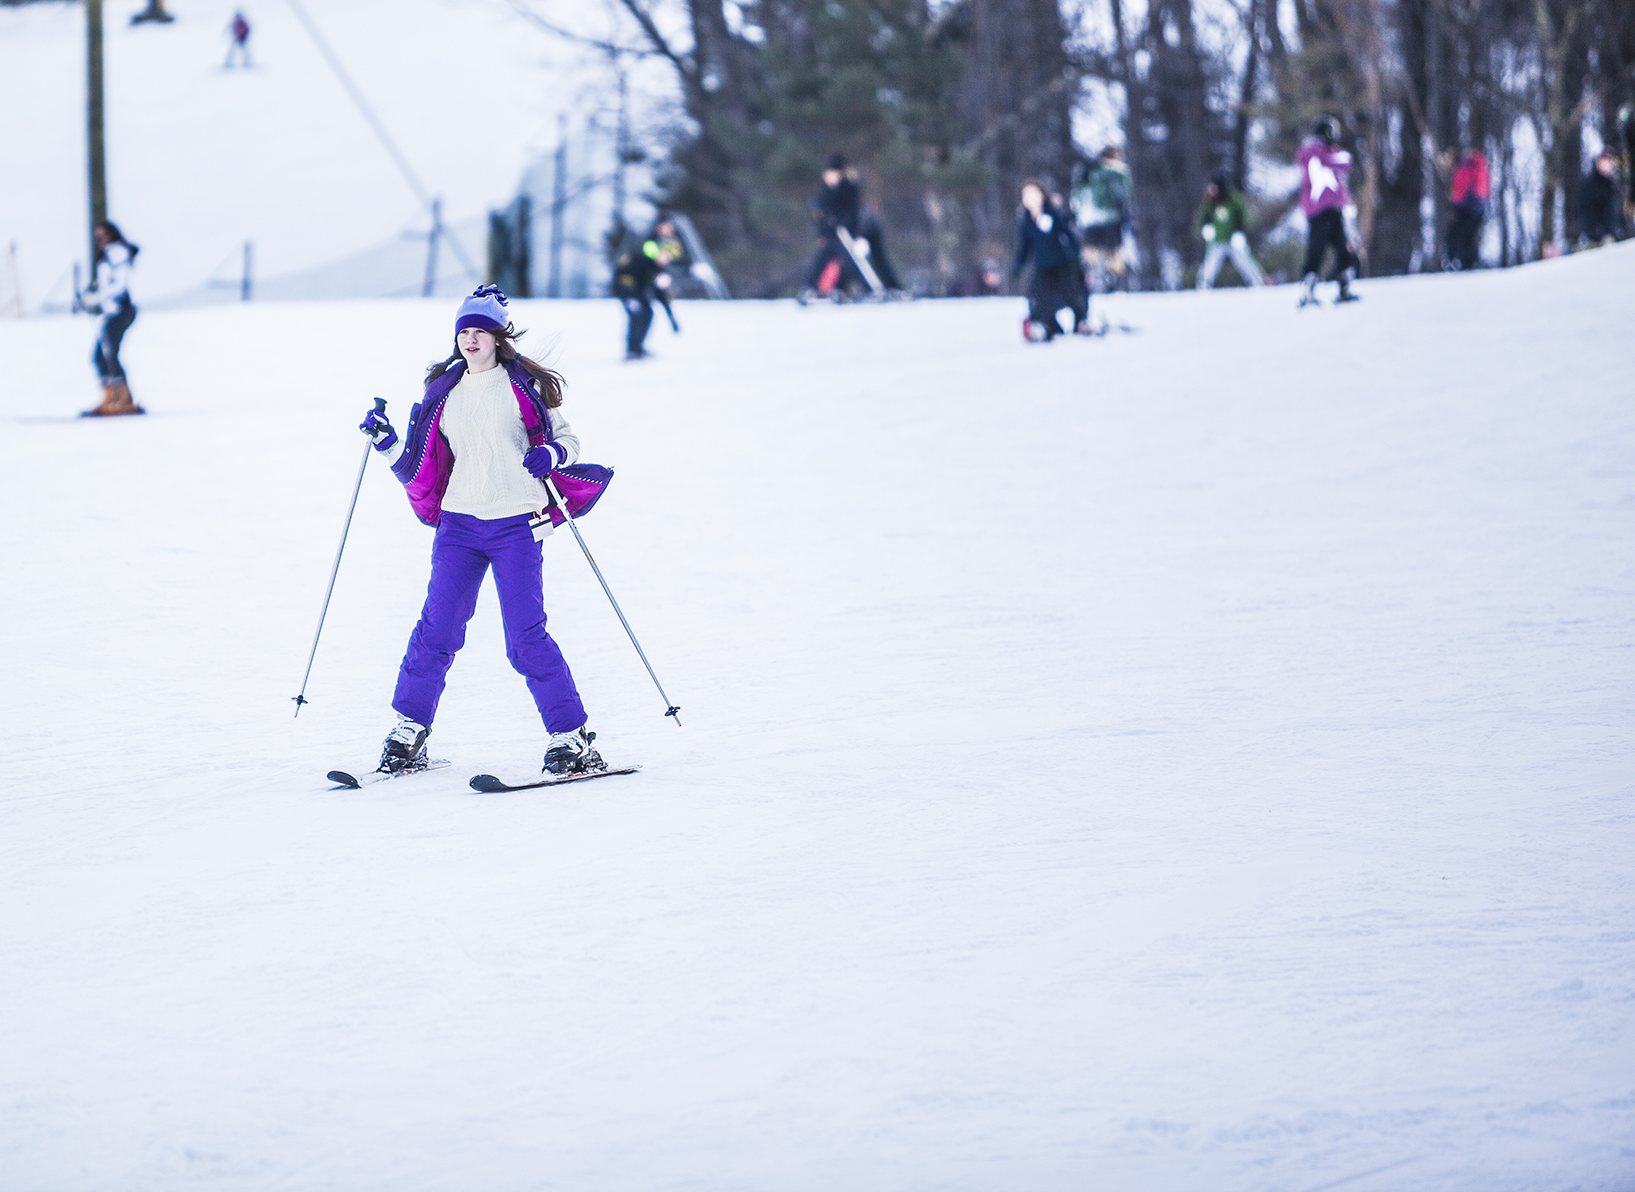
point(1045, 237)
point(640, 278)
point(474, 458)
point(1327, 205)
point(1598, 201)
point(239, 30)
point(110, 297)
point(837, 204)
point(1102, 202)
point(1468, 193)
point(1223, 221)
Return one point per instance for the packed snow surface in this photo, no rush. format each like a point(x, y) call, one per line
point(1196, 759)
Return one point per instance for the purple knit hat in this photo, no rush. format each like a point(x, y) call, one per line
point(485, 309)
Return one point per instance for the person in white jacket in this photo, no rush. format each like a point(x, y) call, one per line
point(110, 297)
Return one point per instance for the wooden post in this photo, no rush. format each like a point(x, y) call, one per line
point(93, 121)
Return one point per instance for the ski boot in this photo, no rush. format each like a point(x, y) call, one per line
point(1346, 278)
point(1083, 327)
point(405, 749)
point(804, 295)
point(116, 400)
point(1035, 332)
point(571, 753)
point(1309, 298)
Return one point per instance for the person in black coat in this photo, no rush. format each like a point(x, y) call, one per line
point(1598, 200)
point(1045, 237)
point(640, 278)
point(838, 204)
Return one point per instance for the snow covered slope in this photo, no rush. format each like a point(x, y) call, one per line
point(201, 159)
point(1192, 760)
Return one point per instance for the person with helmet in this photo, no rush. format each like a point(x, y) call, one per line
point(1327, 206)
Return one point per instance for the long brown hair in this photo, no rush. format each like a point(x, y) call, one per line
point(550, 381)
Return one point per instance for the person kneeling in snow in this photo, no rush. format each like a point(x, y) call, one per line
point(475, 458)
point(1046, 238)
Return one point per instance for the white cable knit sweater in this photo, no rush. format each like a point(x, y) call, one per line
point(483, 426)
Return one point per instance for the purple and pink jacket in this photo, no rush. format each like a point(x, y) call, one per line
point(1323, 170)
point(427, 461)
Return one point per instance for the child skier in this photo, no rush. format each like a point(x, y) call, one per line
point(1044, 236)
point(640, 279)
point(1328, 209)
point(1223, 222)
point(1468, 193)
point(110, 297)
point(474, 458)
point(1102, 202)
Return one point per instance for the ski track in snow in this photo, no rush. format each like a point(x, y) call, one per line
point(1196, 759)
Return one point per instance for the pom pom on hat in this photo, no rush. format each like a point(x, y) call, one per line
point(484, 309)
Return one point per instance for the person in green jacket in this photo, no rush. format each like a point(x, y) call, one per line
point(1223, 222)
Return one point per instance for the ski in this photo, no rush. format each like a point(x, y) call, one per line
point(345, 781)
point(489, 785)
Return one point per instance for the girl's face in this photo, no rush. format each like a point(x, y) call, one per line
point(477, 346)
point(1033, 199)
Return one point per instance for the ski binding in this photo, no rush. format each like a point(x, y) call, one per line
point(345, 781)
point(490, 785)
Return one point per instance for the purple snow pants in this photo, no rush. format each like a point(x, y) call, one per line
point(461, 554)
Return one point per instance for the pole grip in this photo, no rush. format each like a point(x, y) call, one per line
point(380, 405)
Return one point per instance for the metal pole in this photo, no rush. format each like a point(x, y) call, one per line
point(244, 289)
point(429, 286)
point(380, 408)
point(669, 708)
point(559, 200)
point(97, 175)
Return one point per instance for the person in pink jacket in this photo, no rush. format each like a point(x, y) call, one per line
point(1326, 203)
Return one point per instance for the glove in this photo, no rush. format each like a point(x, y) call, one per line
point(379, 430)
point(1209, 233)
point(542, 460)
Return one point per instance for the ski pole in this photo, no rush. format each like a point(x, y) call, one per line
point(380, 408)
point(670, 709)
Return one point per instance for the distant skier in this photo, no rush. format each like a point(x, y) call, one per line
point(1599, 204)
point(837, 204)
point(474, 458)
point(1223, 222)
point(1102, 203)
point(239, 30)
point(1469, 194)
point(640, 278)
point(110, 297)
point(1046, 238)
point(1328, 209)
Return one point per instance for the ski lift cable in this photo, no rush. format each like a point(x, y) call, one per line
point(379, 129)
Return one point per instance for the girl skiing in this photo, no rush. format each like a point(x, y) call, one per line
point(474, 458)
point(110, 297)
